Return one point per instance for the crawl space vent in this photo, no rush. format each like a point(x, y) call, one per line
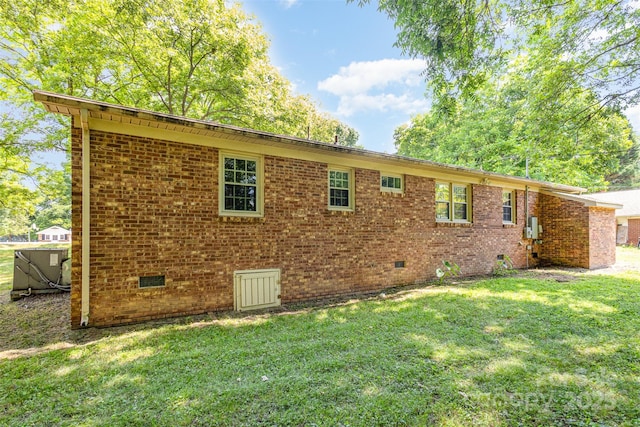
point(151, 281)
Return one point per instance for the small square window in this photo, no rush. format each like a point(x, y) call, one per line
point(392, 183)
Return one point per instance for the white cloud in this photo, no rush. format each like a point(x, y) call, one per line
point(360, 77)
point(288, 3)
point(633, 114)
point(406, 103)
point(388, 84)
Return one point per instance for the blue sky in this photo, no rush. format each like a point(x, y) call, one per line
point(343, 56)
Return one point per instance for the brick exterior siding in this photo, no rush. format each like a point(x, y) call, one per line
point(602, 237)
point(565, 232)
point(634, 231)
point(576, 235)
point(154, 211)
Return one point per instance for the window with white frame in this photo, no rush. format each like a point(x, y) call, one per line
point(508, 207)
point(241, 186)
point(340, 189)
point(452, 202)
point(391, 182)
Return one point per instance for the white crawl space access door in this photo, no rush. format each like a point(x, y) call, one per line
point(254, 289)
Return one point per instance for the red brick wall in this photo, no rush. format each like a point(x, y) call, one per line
point(154, 211)
point(634, 231)
point(602, 237)
point(576, 235)
point(565, 225)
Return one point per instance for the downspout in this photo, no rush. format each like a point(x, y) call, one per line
point(86, 227)
point(526, 215)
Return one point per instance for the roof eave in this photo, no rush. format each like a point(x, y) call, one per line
point(587, 201)
point(53, 103)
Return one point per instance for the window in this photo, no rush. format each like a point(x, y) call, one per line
point(340, 189)
point(508, 205)
point(452, 202)
point(241, 189)
point(443, 202)
point(392, 183)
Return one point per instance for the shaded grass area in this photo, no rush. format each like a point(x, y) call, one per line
point(30, 322)
point(508, 351)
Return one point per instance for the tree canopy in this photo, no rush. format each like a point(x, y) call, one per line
point(501, 129)
point(525, 80)
point(204, 59)
point(576, 45)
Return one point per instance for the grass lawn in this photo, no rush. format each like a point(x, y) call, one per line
point(540, 348)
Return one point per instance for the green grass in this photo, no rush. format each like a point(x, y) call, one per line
point(509, 351)
point(628, 255)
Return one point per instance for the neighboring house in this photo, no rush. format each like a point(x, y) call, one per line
point(628, 218)
point(54, 234)
point(174, 216)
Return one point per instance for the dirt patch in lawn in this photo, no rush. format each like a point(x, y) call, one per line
point(33, 322)
point(40, 323)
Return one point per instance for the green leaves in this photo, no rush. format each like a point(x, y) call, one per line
point(204, 59)
point(588, 46)
point(520, 118)
point(448, 269)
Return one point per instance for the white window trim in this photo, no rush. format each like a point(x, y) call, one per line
point(513, 207)
point(259, 184)
point(451, 185)
point(392, 190)
point(351, 189)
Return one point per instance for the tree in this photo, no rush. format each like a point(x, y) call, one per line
point(204, 59)
point(581, 46)
point(53, 205)
point(503, 129)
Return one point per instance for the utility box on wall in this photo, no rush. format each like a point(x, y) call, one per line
point(533, 225)
point(533, 229)
point(40, 271)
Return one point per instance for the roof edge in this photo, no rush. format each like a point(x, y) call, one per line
point(50, 98)
point(587, 201)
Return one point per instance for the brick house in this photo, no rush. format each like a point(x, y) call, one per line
point(628, 217)
point(174, 216)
